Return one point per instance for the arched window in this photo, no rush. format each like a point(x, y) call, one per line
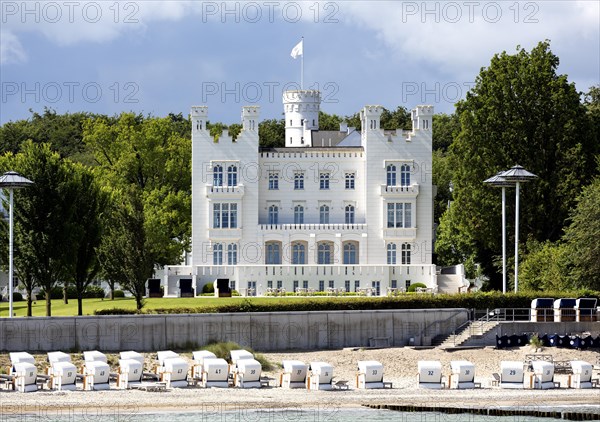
point(324, 214)
point(405, 253)
point(391, 253)
point(217, 175)
point(273, 214)
point(349, 214)
point(298, 214)
point(298, 254)
point(391, 175)
point(273, 256)
point(232, 254)
point(324, 253)
point(232, 175)
point(217, 254)
point(405, 175)
point(350, 253)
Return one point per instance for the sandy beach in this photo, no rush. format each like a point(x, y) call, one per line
point(400, 369)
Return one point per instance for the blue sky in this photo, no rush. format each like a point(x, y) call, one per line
point(165, 56)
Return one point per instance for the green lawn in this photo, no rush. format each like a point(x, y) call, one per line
point(91, 305)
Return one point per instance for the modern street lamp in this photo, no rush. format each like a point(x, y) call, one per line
point(517, 175)
point(12, 180)
point(498, 181)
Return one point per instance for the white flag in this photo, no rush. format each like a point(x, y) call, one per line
point(297, 51)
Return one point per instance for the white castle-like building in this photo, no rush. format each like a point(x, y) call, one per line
point(332, 210)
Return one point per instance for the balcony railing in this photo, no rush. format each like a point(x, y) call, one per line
point(225, 191)
point(410, 190)
point(313, 227)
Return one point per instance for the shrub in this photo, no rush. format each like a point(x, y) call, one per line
point(94, 292)
point(235, 293)
point(208, 288)
point(413, 287)
point(119, 293)
point(115, 311)
point(480, 300)
point(17, 297)
point(223, 350)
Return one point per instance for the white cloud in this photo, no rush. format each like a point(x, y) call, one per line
point(458, 38)
point(11, 50)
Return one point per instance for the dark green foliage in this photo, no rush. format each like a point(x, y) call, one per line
point(119, 293)
point(62, 131)
point(17, 297)
point(413, 287)
point(484, 300)
point(271, 133)
point(91, 292)
point(520, 111)
point(208, 288)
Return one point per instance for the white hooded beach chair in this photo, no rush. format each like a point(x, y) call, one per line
point(582, 375)
point(429, 374)
point(543, 375)
point(199, 356)
point(247, 374)
point(130, 373)
point(462, 375)
point(62, 372)
point(172, 369)
point(215, 373)
point(320, 376)
point(294, 374)
point(96, 372)
point(369, 375)
point(512, 374)
point(23, 372)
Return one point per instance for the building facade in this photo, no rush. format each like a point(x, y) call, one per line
point(332, 210)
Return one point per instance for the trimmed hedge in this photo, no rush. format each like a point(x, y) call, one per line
point(118, 293)
point(91, 292)
point(488, 300)
point(413, 287)
point(17, 297)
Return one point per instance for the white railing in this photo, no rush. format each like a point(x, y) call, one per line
point(397, 190)
point(313, 227)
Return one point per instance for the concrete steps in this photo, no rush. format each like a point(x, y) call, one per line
point(469, 334)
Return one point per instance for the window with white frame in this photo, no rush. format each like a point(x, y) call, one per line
point(224, 216)
point(404, 175)
point(347, 285)
point(232, 254)
point(218, 175)
point(305, 284)
point(273, 255)
point(298, 254)
point(324, 253)
point(349, 179)
point(323, 181)
point(273, 180)
point(218, 254)
point(331, 284)
point(399, 215)
point(324, 214)
point(232, 175)
point(349, 214)
point(391, 253)
point(298, 181)
point(279, 284)
point(298, 214)
point(405, 251)
point(321, 285)
point(391, 175)
point(273, 214)
point(356, 285)
point(350, 253)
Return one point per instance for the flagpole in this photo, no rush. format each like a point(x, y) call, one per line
point(302, 66)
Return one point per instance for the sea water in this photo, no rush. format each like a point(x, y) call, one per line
point(214, 414)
